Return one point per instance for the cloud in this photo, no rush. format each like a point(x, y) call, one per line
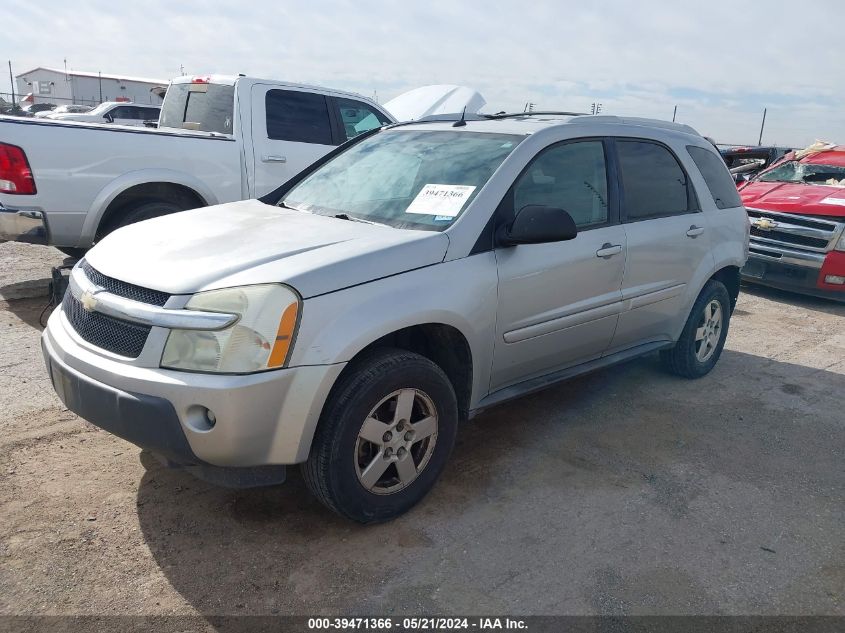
point(720, 62)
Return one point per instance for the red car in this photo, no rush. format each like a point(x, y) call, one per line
point(797, 213)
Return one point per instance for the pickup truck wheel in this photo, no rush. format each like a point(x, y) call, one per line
point(138, 213)
point(701, 342)
point(383, 438)
point(76, 253)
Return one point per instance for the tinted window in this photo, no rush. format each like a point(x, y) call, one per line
point(357, 117)
point(203, 107)
point(571, 177)
point(654, 183)
point(302, 117)
point(121, 112)
point(715, 173)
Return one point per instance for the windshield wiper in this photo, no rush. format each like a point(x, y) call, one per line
point(284, 205)
point(346, 216)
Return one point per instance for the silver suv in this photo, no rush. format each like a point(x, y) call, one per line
point(415, 276)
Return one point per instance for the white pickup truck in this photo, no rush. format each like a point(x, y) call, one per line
point(220, 139)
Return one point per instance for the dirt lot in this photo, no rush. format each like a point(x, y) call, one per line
point(627, 491)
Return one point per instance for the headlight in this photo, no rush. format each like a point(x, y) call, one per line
point(260, 339)
point(840, 245)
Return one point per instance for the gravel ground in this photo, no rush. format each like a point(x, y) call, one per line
point(627, 491)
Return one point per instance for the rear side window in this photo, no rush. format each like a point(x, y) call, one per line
point(301, 117)
point(357, 117)
point(653, 181)
point(717, 177)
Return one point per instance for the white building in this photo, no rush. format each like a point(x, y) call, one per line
point(53, 85)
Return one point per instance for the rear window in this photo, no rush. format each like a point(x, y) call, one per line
point(719, 181)
point(201, 107)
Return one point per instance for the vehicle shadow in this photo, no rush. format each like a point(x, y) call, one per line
point(568, 489)
point(808, 302)
point(30, 311)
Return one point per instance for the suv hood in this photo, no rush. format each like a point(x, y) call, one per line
point(250, 242)
point(788, 197)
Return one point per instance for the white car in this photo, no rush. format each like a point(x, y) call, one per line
point(63, 109)
point(120, 113)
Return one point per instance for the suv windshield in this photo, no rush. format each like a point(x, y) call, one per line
point(404, 178)
point(794, 171)
point(202, 107)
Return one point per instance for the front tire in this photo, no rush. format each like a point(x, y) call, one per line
point(383, 438)
point(703, 337)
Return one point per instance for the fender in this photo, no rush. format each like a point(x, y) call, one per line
point(140, 177)
point(462, 294)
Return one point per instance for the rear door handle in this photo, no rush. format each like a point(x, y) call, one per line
point(272, 158)
point(608, 250)
point(695, 231)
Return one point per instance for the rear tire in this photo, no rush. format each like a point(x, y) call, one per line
point(703, 337)
point(75, 253)
point(383, 438)
point(138, 213)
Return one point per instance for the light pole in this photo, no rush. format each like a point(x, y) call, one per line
point(762, 125)
point(12, 81)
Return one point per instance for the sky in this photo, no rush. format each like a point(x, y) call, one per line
point(720, 62)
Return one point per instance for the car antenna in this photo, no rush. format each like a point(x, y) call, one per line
point(462, 121)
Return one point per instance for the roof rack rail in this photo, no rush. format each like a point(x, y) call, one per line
point(510, 115)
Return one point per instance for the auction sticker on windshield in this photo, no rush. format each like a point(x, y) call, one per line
point(441, 200)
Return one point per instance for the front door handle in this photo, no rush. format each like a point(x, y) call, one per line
point(695, 231)
point(272, 158)
point(608, 250)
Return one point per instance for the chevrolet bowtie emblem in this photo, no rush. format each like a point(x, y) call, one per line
point(88, 301)
point(765, 224)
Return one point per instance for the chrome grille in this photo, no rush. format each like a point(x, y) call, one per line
point(794, 231)
point(123, 289)
point(116, 336)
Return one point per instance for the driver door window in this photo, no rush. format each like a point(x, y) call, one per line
point(571, 176)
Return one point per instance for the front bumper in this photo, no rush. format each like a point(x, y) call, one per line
point(22, 224)
point(264, 419)
point(796, 271)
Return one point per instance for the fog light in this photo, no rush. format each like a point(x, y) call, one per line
point(835, 279)
point(200, 419)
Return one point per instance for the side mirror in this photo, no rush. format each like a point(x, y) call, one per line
point(108, 117)
point(537, 224)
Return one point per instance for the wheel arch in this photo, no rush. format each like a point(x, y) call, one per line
point(152, 184)
point(729, 276)
point(443, 344)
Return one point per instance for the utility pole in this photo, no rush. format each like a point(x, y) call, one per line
point(762, 125)
point(12, 81)
point(674, 114)
point(100, 79)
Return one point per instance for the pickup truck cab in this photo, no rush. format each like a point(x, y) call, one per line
point(797, 214)
point(348, 320)
point(220, 139)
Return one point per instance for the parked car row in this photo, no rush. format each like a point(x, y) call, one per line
point(368, 284)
